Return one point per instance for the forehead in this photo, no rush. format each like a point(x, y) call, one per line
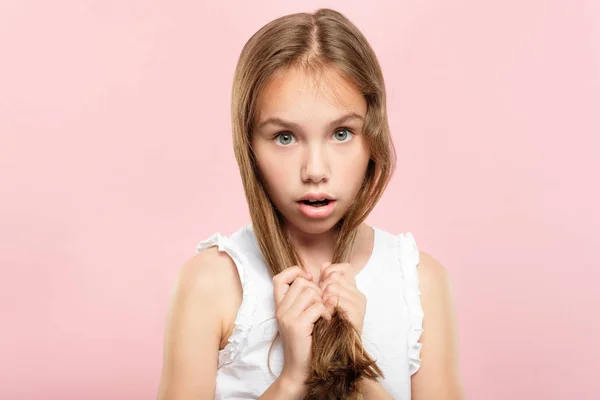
point(313, 97)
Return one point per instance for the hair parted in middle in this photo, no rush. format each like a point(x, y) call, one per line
point(314, 43)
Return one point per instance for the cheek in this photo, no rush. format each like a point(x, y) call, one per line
point(355, 172)
point(354, 164)
point(273, 173)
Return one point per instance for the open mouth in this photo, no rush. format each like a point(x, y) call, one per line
point(316, 203)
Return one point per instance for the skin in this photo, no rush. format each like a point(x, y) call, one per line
point(318, 156)
point(313, 155)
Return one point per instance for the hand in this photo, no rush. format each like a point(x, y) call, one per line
point(339, 289)
point(299, 305)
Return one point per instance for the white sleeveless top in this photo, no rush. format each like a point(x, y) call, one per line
point(392, 325)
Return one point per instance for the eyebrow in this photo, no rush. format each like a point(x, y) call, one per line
point(292, 125)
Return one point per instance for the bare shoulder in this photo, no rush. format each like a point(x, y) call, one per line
point(211, 278)
point(203, 305)
point(432, 274)
point(438, 376)
point(208, 272)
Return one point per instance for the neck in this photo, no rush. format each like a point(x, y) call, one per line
point(313, 248)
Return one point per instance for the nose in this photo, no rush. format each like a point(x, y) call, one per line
point(316, 164)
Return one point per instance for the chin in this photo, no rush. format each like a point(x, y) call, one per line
point(316, 227)
point(313, 226)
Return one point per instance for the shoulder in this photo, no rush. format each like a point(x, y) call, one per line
point(436, 295)
point(431, 273)
point(203, 300)
point(439, 338)
point(209, 273)
point(433, 276)
point(208, 289)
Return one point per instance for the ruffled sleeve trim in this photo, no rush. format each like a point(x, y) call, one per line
point(244, 319)
point(408, 254)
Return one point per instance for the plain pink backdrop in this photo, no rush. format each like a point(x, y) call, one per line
point(116, 158)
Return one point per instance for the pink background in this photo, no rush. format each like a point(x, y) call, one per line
point(115, 159)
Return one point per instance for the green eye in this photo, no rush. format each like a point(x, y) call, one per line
point(284, 139)
point(342, 135)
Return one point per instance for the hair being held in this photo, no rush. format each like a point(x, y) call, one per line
point(314, 42)
point(339, 361)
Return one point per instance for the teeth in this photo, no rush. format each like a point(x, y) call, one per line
point(314, 201)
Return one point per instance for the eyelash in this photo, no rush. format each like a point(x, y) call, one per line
point(334, 132)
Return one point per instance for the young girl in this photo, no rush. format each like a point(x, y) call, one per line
point(309, 302)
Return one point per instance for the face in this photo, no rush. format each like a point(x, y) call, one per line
point(309, 144)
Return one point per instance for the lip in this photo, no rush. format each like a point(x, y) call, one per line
point(317, 212)
point(316, 197)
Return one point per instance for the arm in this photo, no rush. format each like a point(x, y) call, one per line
point(438, 377)
point(195, 325)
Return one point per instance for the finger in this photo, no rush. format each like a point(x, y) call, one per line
point(331, 294)
point(296, 288)
point(344, 299)
point(332, 268)
point(314, 312)
point(305, 300)
point(344, 283)
point(284, 279)
point(341, 298)
point(334, 276)
point(341, 291)
point(299, 285)
point(332, 288)
point(331, 302)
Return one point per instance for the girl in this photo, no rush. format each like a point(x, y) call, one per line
point(309, 302)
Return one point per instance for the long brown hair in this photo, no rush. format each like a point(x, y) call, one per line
point(325, 39)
